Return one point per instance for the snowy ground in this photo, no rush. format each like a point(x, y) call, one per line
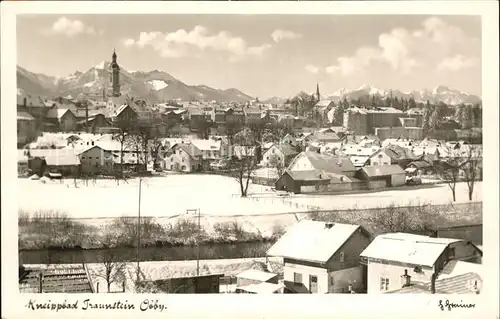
point(216, 197)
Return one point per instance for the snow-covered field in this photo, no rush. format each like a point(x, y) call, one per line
point(161, 196)
point(214, 195)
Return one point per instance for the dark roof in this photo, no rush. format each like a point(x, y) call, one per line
point(311, 175)
point(329, 163)
point(382, 170)
point(421, 164)
point(287, 149)
point(397, 152)
point(454, 285)
point(56, 279)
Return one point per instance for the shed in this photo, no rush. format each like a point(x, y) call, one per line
point(393, 175)
point(293, 181)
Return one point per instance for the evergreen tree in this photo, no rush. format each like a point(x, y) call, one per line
point(434, 119)
point(477, 116)
point(411, 103)
point(396, 104)
point(427, 116)
point(461, 115)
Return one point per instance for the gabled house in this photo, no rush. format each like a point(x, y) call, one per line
point(211, 149)
point(322, 108)
point(382, 176)
point(61, 119)
point(399, 260)
point(124, 114)
point(311, 172)
point(322, 257)
point(26, 128)
point(331, 164)
point(279, 155)
point(183, 157)
point(392, 154)
point(94, 159)
point(289, 139)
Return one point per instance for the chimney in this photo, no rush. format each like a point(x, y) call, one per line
point(328, 225)
point(406, 279)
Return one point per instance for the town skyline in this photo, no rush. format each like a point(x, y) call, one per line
point(391, 53)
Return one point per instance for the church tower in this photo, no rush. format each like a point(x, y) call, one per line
point(115, 76)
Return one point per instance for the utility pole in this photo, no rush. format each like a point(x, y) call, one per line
point(197, 211)
point(86, 116)
point(40, 282)
point(139, 229)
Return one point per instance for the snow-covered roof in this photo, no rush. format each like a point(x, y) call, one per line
point(312, 241)
point(207, 145)
point(407, 248)
point(262, 288)
point(255, 274)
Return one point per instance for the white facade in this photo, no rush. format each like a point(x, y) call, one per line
point(380, 158)
point(179, 160)
point(272, 156)
point(398, 180)
point(327, 282)
point(301, 163)
point(384, 277)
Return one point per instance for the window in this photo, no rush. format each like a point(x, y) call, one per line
point(90, 157)
point(380, 155)
point(342, 257)
point(183, 160)
point(83, 157)
point(297, 278)
point(332, 281)
point(384, 284)
point(97, 158)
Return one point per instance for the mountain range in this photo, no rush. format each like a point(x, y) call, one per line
point(159, 86)
point(438, 94)
point(154, 85)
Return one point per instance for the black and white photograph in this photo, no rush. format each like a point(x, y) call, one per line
point(250, 154)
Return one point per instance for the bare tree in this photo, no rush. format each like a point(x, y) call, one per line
point(113, 268)
point(472, 166)
point(277, 163)
point(245, 166)
point(449, 169)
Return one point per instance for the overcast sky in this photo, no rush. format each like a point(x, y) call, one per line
point(264, 55)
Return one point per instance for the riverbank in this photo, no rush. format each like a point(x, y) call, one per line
point(52, 231)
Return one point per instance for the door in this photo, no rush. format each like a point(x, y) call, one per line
point(313, 284)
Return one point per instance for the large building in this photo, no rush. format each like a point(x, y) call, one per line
point(364, 121)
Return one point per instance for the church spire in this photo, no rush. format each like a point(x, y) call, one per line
point(318, 96)
point(115, 75)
